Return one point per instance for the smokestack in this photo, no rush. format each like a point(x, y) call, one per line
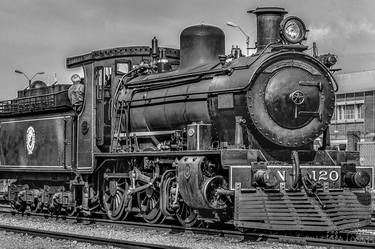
point(268, 25)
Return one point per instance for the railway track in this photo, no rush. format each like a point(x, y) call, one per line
point(85, 238)
point(351, 241)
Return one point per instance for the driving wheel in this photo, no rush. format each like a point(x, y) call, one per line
point(150, 205)
point(115, 198)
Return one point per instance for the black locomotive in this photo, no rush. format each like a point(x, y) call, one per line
point(191, 134)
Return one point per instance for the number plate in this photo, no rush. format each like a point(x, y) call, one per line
point(330, 174)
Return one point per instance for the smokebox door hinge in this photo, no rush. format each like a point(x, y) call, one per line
point(312, 83)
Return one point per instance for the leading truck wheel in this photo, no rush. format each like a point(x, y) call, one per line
point(186, 215)
point(175, 204)
point(115, 198)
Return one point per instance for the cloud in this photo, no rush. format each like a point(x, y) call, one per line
point(360, 26)
point(319, 33)
point(38, 35)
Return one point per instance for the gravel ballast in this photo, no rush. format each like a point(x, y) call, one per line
point(161, 237)
point(9, 240)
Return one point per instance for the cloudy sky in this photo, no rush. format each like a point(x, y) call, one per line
point(37, 35)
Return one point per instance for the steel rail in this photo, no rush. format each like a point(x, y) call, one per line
point(368, 241)
point(85, 238)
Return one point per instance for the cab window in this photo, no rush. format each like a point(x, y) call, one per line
point(107, 76)
point(122, 67)
point(99, 82)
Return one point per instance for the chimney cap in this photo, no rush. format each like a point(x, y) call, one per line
point(261, 10)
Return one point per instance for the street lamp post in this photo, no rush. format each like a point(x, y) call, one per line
point(29, 79)
point(231, 24)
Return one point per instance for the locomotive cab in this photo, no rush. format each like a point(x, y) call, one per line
point(103, 70)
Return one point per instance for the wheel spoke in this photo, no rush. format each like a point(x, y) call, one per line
point(106, 198)
point(150, 205)
point(154, 203)
point(117, 199)
point(120, 189)
point(113, 205)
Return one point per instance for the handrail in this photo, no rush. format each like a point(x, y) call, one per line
point(32, 103)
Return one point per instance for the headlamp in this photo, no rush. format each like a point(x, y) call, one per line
point(358, 179)
point(328, 59)
point(292, 30)
point(266, 178)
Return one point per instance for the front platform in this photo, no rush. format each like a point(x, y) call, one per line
point(299, 212)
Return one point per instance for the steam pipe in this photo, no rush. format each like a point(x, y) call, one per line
point(296, 174)
point(239, 132)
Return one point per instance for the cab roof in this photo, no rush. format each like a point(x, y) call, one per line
point(103, 54)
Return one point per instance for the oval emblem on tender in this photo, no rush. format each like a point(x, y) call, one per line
point(191, 132)
point(30, 140)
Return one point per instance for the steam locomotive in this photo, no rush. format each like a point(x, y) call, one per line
point(192, 134)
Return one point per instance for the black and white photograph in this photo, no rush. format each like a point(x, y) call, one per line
point(167, 124)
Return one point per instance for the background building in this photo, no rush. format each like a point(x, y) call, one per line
point(355, 106)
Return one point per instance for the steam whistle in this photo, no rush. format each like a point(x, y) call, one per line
point(154, 50)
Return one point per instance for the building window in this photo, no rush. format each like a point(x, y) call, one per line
point(359, 111)
point(340, 112)
point(348, 112)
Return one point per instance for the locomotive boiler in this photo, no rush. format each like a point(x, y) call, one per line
point(276, 101)
point(193, 134)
